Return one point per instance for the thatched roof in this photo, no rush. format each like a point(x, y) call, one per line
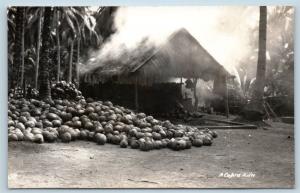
point(180, 56)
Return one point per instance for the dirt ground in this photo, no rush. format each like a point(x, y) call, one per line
point(262, 158)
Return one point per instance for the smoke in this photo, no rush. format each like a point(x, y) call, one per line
point(223, 31)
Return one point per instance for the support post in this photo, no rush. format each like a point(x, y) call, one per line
point(226, 99)
point(136, 97)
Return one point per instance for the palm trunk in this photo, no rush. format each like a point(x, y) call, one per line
point(17, 63)
point(45, 90)
point(261, 63)
point(77, 62)
point(38, 50)
point(58, 51)
point(255, 109)
point(70, 62)
point(22, 55)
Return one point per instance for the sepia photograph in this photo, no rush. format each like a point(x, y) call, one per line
point(150, 97)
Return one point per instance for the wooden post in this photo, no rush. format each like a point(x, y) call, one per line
point(70, 62)
point(136, 99)
point(226, 98)
point(195, 80)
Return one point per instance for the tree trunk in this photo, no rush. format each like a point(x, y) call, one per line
point(44, 89)
point(38, 50)
point(195, 81)
point(58, 50)
point(22, 55)
point(255, 110)
point(261, 63)
point(77, 62)
point(19, 37)
point(70, 62)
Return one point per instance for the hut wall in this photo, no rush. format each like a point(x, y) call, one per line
point(154, 99)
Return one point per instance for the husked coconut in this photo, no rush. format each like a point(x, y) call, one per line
point(100, 138)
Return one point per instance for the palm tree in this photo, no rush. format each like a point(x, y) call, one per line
point(255, 110)
point(11, 13)
point(68, 21)
point(77, 29)
point(34, 21)
point(38, 45)
point(57, 44)
point(19, 43)
point(261, 63)
point(44, 89)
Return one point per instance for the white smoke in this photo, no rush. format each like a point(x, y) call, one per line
point(222, 30)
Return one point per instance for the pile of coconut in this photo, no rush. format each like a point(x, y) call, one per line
point(65, 90)
point(102, 122)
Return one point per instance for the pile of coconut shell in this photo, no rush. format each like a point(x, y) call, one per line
point(65, 90)
point(102, 122)
point(61, 89)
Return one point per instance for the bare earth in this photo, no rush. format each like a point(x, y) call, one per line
point(266, 153)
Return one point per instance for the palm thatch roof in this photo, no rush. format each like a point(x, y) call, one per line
point(180, 56)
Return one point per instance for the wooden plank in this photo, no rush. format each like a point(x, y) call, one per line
point(224, 121)
point(227, 127)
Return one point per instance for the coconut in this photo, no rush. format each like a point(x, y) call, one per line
point(146, 146)
point(36, 130)
point(90, 135)
point(66, 137)
point(38, 138)
point(47, 123)
point(83, 134)
point(56, 123)
point(23, 119)
point(118, 124)
point(52, 116)
point(99, 129)
point(109, 137)
point(134, 144)
point(77, 124)
point(28, 136)
point(39, 124)
point(207, 141)
point(108, 128)
point(20, 126)
point(127, 128)
point(118, 128)
point(89, 126)
point(112, 117)
point(76, 133)
point(198, 142)
point(156, 136)
point(124, 143)
point(139, 135)
point(100, 138)
point(49, 136)
point(141, 115)
point(214, 134)
point(115, 139)
point(20, 136)
point(115, 132)
point(89, 110)
point(94, 116)
point(66, 116)
point(102, 118)
point(75, 119)
point(12, 137)
point(11, 123)
point(62, 129)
